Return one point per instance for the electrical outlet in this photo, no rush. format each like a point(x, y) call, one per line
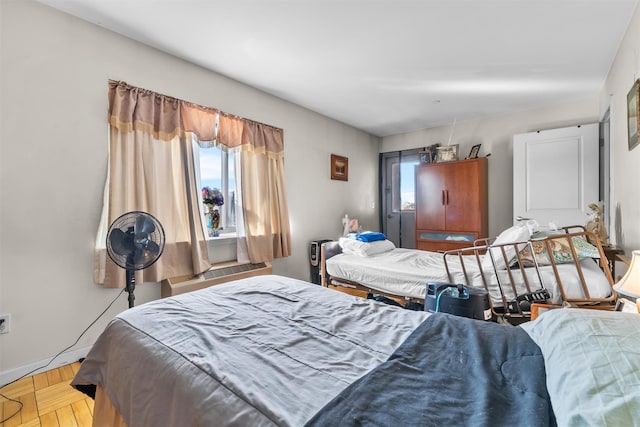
point(5, 323)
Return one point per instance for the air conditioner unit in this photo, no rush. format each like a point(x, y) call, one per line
point(219, 273)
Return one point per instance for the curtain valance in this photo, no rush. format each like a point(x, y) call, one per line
point(132, 108)
point(250, 135)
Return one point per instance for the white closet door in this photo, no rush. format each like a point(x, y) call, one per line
point(555, 175)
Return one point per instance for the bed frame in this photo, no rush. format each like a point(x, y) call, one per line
point(511, 309)
point(515, 307)
point(331, 249)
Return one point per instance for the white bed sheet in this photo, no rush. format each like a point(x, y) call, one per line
point(400, 271)
point(405, 272)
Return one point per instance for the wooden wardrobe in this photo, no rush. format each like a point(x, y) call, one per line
point(451, 204)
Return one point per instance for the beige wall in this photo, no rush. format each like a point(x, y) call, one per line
point(625, 179)
point(495, 134)
point(53, 162)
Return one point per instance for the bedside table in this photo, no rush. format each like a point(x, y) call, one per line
point(611, 252)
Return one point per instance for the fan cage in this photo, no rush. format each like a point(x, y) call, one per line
point(125, 223)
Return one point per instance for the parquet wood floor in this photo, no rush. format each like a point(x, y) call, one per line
point(48, 401)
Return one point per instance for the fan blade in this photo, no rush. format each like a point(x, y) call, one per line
point(144, 225)
point(121, 242)
point(140, 258)
point(145, 252)
point(152, 247)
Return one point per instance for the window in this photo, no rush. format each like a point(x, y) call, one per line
point(403, 186)
point(217, 171)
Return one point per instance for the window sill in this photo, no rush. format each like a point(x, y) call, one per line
point(223, 238)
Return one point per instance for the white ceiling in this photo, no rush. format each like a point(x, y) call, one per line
point(386, 66)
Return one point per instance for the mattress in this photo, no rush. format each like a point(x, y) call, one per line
point(405, 272)
point(266, 350)
point(402, 272)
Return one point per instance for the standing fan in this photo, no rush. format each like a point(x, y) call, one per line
point(135, 240)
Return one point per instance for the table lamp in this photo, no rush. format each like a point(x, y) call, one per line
point(629, 285)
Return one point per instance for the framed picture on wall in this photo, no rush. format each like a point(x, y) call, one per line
point(633, 114)
point(339, 168)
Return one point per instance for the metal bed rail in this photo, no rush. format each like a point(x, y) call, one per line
point(519, 304)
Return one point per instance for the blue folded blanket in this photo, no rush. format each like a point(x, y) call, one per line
point(370, 236)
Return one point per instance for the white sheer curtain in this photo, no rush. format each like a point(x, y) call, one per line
point(242, 249)
point(266, 232)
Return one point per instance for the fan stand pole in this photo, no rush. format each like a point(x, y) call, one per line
point(131, 286)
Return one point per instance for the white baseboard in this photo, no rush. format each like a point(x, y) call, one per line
point(39, 367)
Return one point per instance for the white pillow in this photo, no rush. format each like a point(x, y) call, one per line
point(592, 363)
point(356, 247)
point(517, 233)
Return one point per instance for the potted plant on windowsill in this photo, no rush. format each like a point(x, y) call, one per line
point(212, 199)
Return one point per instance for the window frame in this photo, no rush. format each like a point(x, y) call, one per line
point(396, 185)
point(226, 211)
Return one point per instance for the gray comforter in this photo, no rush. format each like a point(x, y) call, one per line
point(262, 351)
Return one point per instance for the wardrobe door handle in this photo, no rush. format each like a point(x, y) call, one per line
point(447, 197)
point(443, 198)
